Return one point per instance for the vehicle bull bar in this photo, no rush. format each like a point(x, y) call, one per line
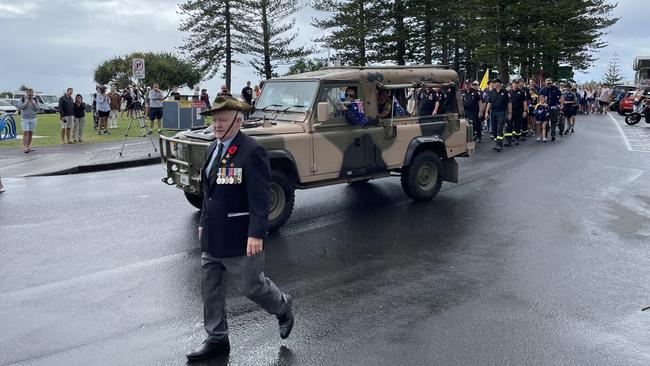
point(176, 156)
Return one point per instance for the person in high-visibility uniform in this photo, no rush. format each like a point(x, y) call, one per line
point(500, 110)
point(519, 101)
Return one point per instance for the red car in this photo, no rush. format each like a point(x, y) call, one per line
point(627, 104)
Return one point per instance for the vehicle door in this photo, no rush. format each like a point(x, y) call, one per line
point(338, 145)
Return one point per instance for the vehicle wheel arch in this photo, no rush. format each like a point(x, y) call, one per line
point(432, 143)
point(283, 161)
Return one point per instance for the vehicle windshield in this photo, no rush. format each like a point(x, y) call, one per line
point(5, 104)
point(49, 98)
point(292, 96)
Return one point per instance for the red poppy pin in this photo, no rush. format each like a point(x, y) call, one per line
point(232, 150)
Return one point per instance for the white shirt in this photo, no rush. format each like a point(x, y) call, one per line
point(155, 99)
point(226, 144)
point(604, 94)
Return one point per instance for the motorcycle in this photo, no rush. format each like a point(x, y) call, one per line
point(641, 109)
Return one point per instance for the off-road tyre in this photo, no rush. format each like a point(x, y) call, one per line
point(282, 199)
point(195, 200)
point(422, 179)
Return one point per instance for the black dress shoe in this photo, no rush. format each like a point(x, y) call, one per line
point(209, 349)
point(285, 321)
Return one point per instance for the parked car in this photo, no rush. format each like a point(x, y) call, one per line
point(49, 103)
point(626, 105)
point(6, 107)
point(13, 102)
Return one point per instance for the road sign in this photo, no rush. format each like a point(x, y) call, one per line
point(138, 68)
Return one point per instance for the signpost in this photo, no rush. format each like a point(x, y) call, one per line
point(198, 105)
point(138, 68)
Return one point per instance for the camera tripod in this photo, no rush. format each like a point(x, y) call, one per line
point(144, 130)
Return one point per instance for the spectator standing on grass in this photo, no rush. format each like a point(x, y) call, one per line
point(175, 95)
point(66, 111)
point(127, 99)
point(205, 98)
point(156, 98)
point(114, 97)
point(103, 110)
point(79, 118)
point(28, 108)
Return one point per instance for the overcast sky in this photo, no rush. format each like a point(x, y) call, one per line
point(53, 44)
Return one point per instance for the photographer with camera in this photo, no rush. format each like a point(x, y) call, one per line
point(28, 108)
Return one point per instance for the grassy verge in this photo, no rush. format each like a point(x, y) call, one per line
point(48, 128)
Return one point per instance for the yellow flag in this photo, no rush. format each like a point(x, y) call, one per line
point(484, 82)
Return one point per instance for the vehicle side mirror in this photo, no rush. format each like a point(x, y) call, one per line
point(322, 111)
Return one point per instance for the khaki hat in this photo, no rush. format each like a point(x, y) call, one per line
point(222, 103)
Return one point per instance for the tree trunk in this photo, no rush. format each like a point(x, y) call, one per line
point(362, 40)
point(268, 71)
point(400, 31)
point(502, 58)
point(428, 40)
point(228, 51)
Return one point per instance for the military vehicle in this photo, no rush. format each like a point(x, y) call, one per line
point(310, 143)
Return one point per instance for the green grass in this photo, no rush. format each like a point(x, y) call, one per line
point(49, 126)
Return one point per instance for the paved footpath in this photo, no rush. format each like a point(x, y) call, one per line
point(77, 158)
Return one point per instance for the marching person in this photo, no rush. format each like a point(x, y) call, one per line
point(28, 108)
point(569, 108)
point(519, 100)
point(541, 118)
point(233, 225)
point(471, 104)
point(552, 95)
point(501, 110)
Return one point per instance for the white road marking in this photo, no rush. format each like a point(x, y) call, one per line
point(627, 143)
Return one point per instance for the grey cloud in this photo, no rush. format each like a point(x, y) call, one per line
point(58, 43)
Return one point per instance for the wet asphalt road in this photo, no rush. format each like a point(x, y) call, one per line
point(540, 256)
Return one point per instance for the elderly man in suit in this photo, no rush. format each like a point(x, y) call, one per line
point(233, 225)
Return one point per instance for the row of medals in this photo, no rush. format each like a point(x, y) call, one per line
point(230, 175)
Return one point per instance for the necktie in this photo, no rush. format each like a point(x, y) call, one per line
point(216, 163)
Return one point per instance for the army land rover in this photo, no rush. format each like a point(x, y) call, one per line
point(310, 143)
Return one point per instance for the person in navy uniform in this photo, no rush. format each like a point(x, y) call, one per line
point(233, 225)
point(500, 107)
point(519, 100)
point(471, 104)
point(552, 94)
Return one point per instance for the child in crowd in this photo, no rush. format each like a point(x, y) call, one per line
point(541, 118)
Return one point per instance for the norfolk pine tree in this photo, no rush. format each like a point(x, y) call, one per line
point(268, 26)
point(353, 25)
point(217, 32)
point(613, 76)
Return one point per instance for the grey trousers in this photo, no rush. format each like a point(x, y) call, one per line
point(248, 276)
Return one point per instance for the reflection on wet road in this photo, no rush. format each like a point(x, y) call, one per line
point(539, 256)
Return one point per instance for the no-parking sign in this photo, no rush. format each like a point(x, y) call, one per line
point(138, 68)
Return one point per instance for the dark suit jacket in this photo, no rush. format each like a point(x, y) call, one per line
point(233, 212)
